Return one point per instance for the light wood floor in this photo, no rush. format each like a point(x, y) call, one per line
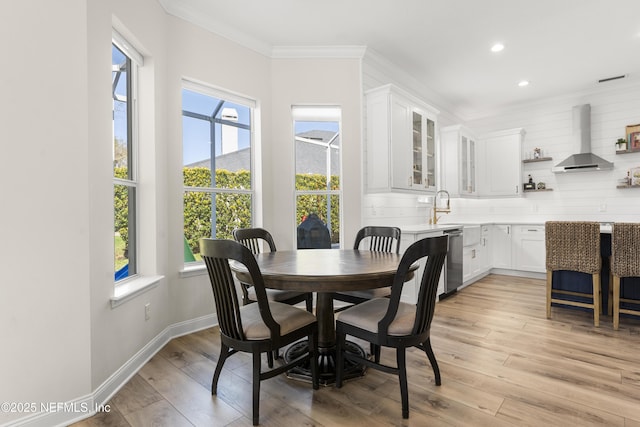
point(502, 363)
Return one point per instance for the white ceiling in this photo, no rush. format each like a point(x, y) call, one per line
point(560, 46)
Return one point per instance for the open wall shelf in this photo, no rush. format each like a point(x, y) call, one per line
point(536, 190)
point(540, 159)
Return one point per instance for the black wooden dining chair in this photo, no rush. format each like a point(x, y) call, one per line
point(378, 239)
point(388, 322)
point(625, 262)
point(574, 246)
point(255, 328)
point(256, 239)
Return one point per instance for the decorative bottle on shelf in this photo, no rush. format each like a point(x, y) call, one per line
point(536, 153)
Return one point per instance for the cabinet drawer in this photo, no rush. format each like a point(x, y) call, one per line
point(529, 248)
point(530, 230)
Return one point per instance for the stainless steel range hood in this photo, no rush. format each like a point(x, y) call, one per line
point(584, 160)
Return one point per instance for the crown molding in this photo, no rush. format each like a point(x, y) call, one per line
point(183, 10)
point(284, 52)
point(382, 69)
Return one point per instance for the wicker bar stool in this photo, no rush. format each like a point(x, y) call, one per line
point(574, 246)
point(625, 262)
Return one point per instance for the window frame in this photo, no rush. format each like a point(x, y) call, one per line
point(134, 62)
point(318, 113)
point(252, 105)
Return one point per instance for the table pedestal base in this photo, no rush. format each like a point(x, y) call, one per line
point(326, 363)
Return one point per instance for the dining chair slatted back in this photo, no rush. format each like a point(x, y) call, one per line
point(254, 239)
point(378, 239)
point(574, 246)
point(259, 240)
point(225, 297)
point(435, 251)
point(427, 293)
point(381, 239)
point(255, 328)
point(625, 262)
point(389, 322)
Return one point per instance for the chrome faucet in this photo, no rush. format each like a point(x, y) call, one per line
point(435, 210)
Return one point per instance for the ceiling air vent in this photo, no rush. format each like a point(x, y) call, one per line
point(608, 79)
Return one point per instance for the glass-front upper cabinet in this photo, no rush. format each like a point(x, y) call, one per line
point(417, 148)
point(401, 144)
point(431, 153)
point(468, 165)
point(424, 159)
point(458, 153)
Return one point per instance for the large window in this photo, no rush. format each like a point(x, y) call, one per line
point(216, 146)
point(318, 187)
point(124, 63)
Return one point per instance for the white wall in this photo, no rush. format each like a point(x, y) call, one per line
point(198, 55)
point(119, 333)
point(576, 196)
point(44, 221)
point(314, 82)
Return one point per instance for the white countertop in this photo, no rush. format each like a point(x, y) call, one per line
point(605, 227)
point(425, 228)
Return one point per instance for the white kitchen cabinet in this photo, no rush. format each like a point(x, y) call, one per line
point(470, 262)
point(476, 259)
point(501, 246)
point(518, 247)
point(502, 166)
point(458, 160)
point(485, 248)
point(529, 248)
point(401, 142)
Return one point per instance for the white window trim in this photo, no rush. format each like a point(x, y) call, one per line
point(198, 268)
point(319, 113)
point(127, 48)
point(130, 288)
point(136, 284)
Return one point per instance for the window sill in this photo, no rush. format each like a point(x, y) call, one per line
point(193, 270)
point(132, 288)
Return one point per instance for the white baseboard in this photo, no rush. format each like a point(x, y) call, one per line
point(83, 407)
point(518, 273)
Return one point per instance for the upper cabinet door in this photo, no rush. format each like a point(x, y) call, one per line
point(502, 166)
point(400, 142)
point(399, 145)
point(458, 161)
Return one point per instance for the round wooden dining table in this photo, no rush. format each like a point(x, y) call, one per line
point(325, 271)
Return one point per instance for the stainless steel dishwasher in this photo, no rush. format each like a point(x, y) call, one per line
point(453, 271)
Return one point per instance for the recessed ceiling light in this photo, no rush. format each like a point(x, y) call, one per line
point(523, 83)
point(497, 47)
